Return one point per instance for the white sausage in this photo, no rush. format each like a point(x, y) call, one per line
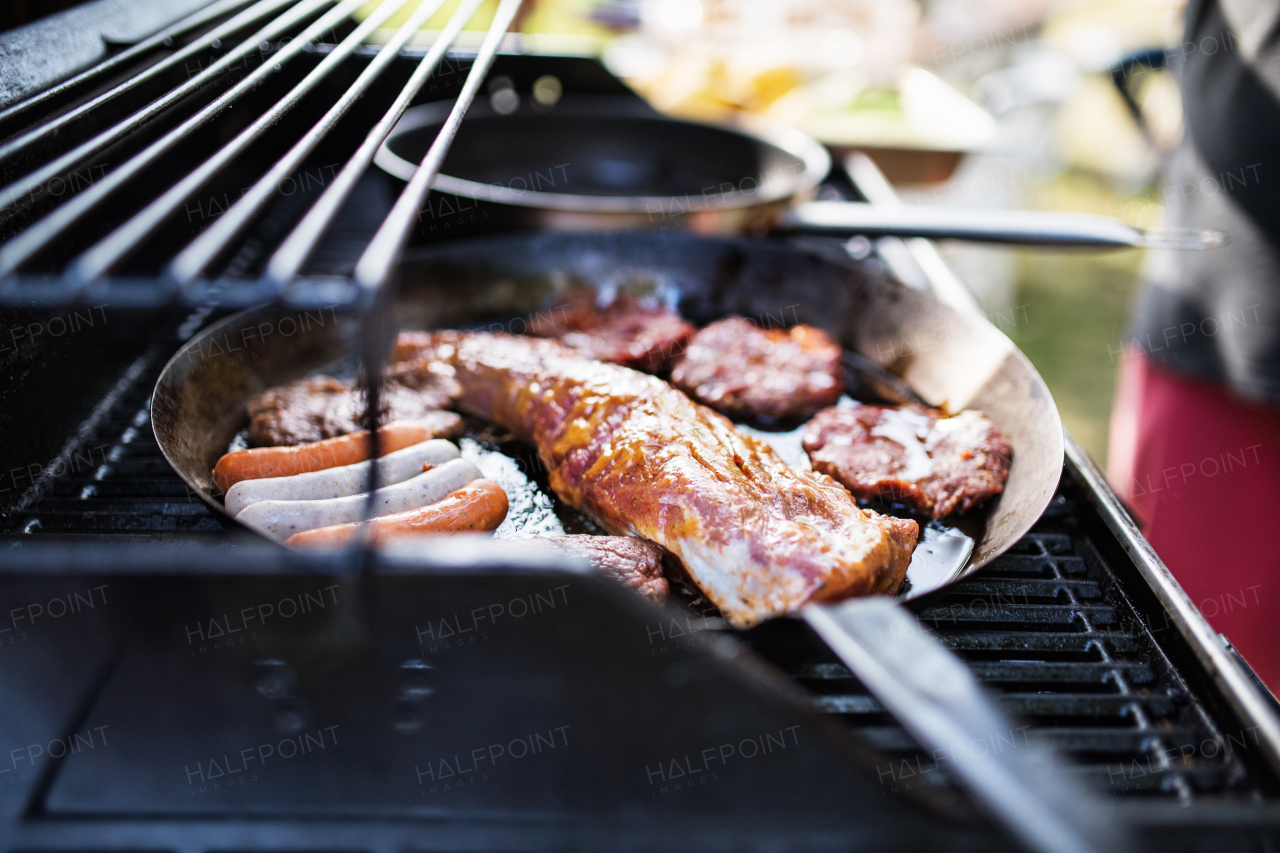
point(281, 519)
point(342, 481)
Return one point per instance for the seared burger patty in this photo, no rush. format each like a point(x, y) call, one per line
point(911, 455)
point(323, 407)
point(739, 369)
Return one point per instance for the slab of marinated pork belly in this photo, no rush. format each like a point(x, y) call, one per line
point(758, 537)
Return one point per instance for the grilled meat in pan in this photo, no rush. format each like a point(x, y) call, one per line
point(757, 536)
point(737, 368)
point(322, 407)
point(634, 563)
point(622, 332)
point(911, 455)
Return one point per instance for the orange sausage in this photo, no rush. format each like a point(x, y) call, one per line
point(259, 462)
point(481, 505)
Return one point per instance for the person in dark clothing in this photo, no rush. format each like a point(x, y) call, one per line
point(1195, 433)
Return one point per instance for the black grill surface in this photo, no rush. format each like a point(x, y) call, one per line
point(1049, 627)
point(117, 482)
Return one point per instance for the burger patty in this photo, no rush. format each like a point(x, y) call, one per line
point(739, 369)
point(911, 455)
point(323, 407)
point(623, 332)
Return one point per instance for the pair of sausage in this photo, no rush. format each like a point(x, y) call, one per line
point(263, 462)
point(343, 480)
point(427, 488)
point(280, 519)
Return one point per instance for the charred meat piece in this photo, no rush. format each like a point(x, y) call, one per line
point(738, 368)
point(622, 332)
point(323, 407)
point(911, 455)
point(633, 562)
point(757, 536)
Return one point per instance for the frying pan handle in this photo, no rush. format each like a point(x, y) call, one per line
point(937, 699)
point(1021, 227)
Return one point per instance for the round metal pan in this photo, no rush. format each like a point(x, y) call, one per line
point(949, 358)
point(611, 162)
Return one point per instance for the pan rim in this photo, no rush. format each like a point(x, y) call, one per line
point(811, 153)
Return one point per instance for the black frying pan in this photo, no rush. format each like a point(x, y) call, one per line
point(947, 357)
point(596, 162)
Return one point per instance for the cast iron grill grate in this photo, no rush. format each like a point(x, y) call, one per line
point(1046, 627)
point(117, 481)
point(208, 162)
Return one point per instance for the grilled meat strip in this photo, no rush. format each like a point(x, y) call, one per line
point(323, 407)
point(757, 536)
point(634, 563)
point(737, 368)
point(911, 455)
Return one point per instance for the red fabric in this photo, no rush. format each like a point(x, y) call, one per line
point(1201, 468)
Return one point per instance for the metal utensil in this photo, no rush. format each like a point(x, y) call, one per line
point(879, 381)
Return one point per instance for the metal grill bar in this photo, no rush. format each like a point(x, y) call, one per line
point(374, 269)
point(93, 272)
point(31, 184)
point(375, 265)
point(99, 259)
point(194, 259)
point(289, 258)
point(1104, 696)
point(21, 248)
point(207, 15)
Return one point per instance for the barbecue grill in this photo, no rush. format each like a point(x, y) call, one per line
point(128, 704)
